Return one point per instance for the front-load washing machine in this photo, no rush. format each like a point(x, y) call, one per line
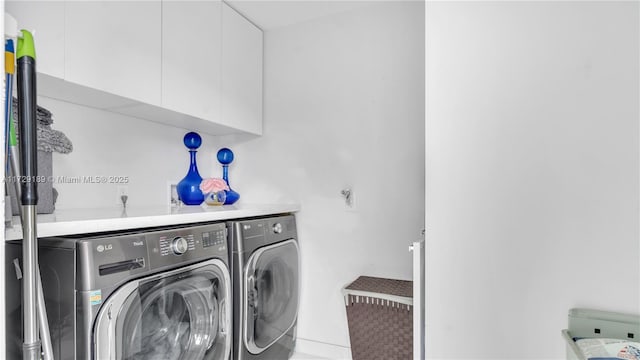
point(265, 270)
point(157, 294)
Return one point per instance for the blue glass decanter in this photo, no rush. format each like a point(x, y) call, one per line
point(225, 157)
point(189, 187)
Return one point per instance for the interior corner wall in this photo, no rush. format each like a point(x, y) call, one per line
point(344, 108)
point(532, 172)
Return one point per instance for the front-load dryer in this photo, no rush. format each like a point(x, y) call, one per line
point(149, 294)
point(265, 270)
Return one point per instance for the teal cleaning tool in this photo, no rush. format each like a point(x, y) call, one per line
point(12, 153)
point(9, 66)
point(10, 69)
point(14, 158)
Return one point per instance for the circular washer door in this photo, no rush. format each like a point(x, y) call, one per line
point(184, 314)
point(271, 294)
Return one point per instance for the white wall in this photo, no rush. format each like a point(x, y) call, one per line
point(344, 106)
point(532, 172)
point(109, 144)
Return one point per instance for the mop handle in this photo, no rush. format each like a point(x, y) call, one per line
point(27, 118)
point(26, 77)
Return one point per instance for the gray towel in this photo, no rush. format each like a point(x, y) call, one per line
point(49, 140)
point(43, 115)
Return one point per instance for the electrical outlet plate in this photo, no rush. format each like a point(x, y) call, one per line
point(173, 201)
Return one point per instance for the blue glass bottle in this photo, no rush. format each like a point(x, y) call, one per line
point(189, 188)
point(225, 157)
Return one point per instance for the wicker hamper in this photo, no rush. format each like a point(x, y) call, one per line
point(380, 316)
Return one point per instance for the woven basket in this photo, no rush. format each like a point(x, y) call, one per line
point(380, 316)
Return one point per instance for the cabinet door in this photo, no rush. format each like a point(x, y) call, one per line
point(191, 43)
point(45, 20)
point(241, 72)
point(115, 46)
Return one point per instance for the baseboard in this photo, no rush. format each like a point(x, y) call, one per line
point(322, 350)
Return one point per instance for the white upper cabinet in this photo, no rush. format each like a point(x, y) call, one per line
point(191, 57)
point(115, 46)
point(193, 64)
point(241, 72)
point(45, 19)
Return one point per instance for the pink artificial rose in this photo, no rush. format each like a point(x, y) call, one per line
point(213, 185)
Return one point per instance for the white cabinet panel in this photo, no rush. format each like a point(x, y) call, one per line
point(46, 20)
point(194, 64)
point(191, 44)
point(115, 46)
point(242, 72)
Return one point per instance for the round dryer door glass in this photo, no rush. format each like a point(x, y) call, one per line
point(271, 294)
point(182, 316)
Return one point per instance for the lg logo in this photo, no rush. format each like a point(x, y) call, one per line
point(102, 248)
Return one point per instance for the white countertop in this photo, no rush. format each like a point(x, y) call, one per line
point(85, 221)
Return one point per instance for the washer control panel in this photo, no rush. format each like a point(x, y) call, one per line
point(108, 259)
point(214, 238)
point(176, 245)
